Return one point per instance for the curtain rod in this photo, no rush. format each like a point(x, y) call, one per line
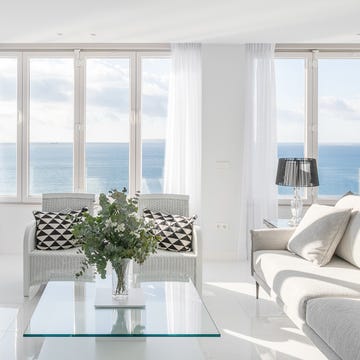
point(320, 47)
point(84, 47)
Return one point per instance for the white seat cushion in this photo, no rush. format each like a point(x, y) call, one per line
point(296, 280)
point(168, 265)
point(336, 321)
point(48, 265)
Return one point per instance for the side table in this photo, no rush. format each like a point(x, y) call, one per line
point(277, 223)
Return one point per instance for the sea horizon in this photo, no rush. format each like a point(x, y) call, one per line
point(107, 166)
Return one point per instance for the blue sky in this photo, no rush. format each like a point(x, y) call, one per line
point(108, 106)
point(108, 100)
point(339, 100)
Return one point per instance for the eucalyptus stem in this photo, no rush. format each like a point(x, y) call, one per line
point(121, 270)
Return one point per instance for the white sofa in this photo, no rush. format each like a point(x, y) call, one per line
point(323, 301)
point(39, 266)
point(167, 265)
point(42, 265)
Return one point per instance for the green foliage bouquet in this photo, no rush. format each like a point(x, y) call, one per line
point(116, 233)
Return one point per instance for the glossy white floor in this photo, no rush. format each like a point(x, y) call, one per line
point(250, 329)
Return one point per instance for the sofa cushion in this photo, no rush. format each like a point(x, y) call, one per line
point(54, 229)
point(349, 246)
point(319, 232)
point(175, 231)
point(295, 280)
point(336, 321)
point(349, 201)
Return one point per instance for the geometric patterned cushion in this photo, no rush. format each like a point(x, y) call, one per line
point(53, 229)
point(175, 230)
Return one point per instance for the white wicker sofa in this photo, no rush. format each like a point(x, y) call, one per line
point(323, 301)
point(39, 266)
point(167, 265)
point(42, 265)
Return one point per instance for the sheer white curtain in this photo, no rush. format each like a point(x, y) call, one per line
point(259, 158)
point(182, 174)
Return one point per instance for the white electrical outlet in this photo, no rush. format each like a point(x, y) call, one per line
point(222, 226)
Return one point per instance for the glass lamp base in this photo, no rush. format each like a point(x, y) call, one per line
point(296, 208)
point(294, 221)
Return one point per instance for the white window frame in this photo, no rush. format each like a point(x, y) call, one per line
point(81, 185)
point(311, 57)
point(139, 56)
point(17, 197)
point(23, 115)
point(25, 184)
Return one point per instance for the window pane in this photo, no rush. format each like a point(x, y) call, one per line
point(339, 126)
point(290, 101)
point(107, 124)
point(51, 125)
point(154, 99)
point(8, 121)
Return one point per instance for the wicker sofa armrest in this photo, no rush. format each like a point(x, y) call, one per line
point(196, 240)
point(197, 250)
point(28, 247)
point(29, 237)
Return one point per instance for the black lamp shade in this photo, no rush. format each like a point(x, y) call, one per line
point(297, 172)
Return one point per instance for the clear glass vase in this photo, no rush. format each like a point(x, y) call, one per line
point(121, 272)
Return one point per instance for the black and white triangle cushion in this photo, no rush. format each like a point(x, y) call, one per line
point(53, 229)
point(176, 231)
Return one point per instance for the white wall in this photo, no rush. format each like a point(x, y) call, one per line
point(13, 220)
point(221, 148)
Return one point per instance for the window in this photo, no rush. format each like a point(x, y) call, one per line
point(339, 126)
point(290, 97)
point(82, 121)
point(107, 124)
point(154, 99)
point(8, 125)
point(330, 116)
point(51, 125)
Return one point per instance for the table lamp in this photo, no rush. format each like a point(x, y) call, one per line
point(298, 173)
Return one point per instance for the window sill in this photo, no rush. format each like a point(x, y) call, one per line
point(323, 201)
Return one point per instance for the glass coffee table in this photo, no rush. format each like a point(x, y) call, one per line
point(66, 316)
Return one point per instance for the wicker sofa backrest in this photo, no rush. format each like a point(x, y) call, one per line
point(167, 203)
point(73, 201)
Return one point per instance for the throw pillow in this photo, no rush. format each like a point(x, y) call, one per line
point(319, 232)
point(175, 230)
point(53, 229)
point(349, 246)
point(348, 193)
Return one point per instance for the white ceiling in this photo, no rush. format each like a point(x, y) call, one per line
point(157, 21)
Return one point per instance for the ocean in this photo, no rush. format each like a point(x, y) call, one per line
point(107, 167)
point(338, 167)
point(107, 164)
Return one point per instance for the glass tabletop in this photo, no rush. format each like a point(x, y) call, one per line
point(172, 308)
point(277, 223)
